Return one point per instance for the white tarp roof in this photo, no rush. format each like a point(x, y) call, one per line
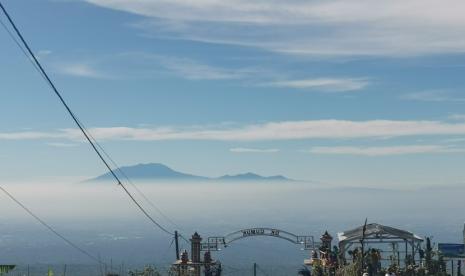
point(374, 229)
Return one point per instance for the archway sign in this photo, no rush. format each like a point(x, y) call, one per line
point(216, 243)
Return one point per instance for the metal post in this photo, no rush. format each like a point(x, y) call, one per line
point(176, 241)
point(459, 268)
point(362, 242)
point(413, 251)
point(406, 253)
point(254, 269)
point(363, 253)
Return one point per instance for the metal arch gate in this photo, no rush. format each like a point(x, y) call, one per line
point(216, 243)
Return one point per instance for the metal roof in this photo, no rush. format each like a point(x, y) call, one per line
point(375, 230)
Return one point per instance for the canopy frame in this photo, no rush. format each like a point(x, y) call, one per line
point(378, 234)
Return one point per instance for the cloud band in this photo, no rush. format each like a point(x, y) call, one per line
point(286, 130)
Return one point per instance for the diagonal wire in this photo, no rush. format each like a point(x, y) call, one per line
point(75, 119)
point(46, 225)
point(12, 36)
point(125, 176)
point(93, 139)
point(90, 135)
point(135, 186)
point(118, 168)
point(41, 221)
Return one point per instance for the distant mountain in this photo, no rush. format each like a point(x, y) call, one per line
point(150, 171)
point(253, 177)
point(157, 171)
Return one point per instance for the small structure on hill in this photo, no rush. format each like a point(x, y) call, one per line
point(375, 233)
point(196, 266)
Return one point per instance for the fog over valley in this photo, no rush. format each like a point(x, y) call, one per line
point(102, 219)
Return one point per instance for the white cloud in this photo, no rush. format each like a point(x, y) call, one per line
point(432, 96)
point(457, 117)
point(191, 69)
point(324, 84)
point(252, 150)
point(286, 130)
point(62, 145)
point(42, 54)
point(454, 140)
point(148, 65)
point(144, 64)
point(384, 151)
point(340, 27)
point(81, 70)
point(31, 135)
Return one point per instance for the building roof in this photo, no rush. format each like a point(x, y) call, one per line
point(375, 230)
point(326, 236)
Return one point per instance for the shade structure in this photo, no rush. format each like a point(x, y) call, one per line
point(377, 233)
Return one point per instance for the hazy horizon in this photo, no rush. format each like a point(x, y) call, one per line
point(100, 218)
point(361, 102)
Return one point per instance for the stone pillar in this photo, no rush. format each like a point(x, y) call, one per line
point(326, 240)
point(184, 266)
point(195, 252)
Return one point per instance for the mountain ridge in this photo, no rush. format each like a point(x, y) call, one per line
point(159, 171)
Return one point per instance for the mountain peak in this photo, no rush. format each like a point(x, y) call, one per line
point(249, 176)
point(148, 171)
point(151, 166)
point(158, 171)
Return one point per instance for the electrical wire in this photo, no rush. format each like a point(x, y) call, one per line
point(134, 185)
point(46, 225)
point(20, 47)
point(118, 168)
point(94, 140)
point(39, 67)
point(41, 221)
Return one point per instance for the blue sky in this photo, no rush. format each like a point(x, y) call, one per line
point(340, 92)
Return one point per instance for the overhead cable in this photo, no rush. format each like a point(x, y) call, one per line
point(39, 67)
point(46, 225)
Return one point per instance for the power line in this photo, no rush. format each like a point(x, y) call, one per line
point(12, 36)
point(118, 168)
point(77, 122)
point(69, 242)
point(93, 139)
point(134, 185)
point(46, 225)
